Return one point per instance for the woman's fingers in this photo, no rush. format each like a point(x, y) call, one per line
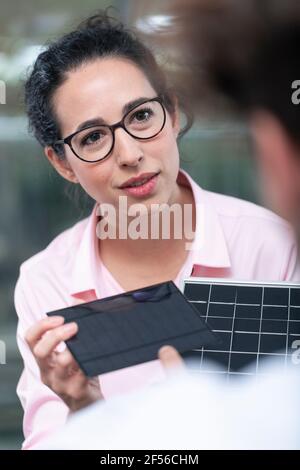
point(170, 359)
point(59, 370)
point(45, 336)
point(52, 338)
point(35, 332)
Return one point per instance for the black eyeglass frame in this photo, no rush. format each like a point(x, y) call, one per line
point(68, 140)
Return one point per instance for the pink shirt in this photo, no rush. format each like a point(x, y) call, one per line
point(234, 239)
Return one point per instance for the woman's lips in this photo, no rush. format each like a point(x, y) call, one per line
point(144, 190)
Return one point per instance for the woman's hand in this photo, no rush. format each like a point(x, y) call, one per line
point(59, 370)
point(61, 373)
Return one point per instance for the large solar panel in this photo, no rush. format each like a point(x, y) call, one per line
point(255, 321)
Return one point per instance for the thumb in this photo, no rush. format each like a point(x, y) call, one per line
point(170, 359)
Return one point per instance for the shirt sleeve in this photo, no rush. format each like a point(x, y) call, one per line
point(44, 411)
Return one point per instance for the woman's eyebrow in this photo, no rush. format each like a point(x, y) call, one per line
point(99, 121)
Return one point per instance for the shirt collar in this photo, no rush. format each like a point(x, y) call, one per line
point(84, 274)
point(209, 247)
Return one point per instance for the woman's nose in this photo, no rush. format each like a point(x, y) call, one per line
point(127, 149)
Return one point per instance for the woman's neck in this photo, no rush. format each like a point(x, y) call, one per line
point(150, 250)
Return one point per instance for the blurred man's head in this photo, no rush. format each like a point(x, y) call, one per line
point(247, 53)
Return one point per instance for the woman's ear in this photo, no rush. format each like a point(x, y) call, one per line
point(61, 165)
point(279, 164)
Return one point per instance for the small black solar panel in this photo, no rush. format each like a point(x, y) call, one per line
point(254, 321)
point(128, 329)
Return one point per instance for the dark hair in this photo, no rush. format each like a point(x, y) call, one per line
point(246, 53)
point(98, 36)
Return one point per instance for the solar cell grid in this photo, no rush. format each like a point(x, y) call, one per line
point(255, 321)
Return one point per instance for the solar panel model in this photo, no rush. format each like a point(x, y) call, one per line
point(255, 321)
point(129, 328)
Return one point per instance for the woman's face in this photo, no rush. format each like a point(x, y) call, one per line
point(101, 89)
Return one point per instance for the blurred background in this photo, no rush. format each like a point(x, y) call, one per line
point(35, 203)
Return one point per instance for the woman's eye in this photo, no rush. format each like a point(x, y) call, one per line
point(142, 115)
point(91, 138)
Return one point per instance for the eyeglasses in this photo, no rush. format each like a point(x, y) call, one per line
point(95, 143)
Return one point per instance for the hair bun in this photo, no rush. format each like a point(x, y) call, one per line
point(101, 20)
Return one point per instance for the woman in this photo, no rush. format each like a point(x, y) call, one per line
point(99, 105)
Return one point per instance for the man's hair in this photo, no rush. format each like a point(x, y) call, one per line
point(246, 51)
